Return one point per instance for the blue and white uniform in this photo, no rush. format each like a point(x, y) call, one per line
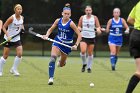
point(65, 35)
point(115, 35)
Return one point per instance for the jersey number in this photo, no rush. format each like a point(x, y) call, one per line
point(117, 30)
point(17, 29)
point(63, 35)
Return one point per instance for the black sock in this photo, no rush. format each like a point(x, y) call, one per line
point(132, 84)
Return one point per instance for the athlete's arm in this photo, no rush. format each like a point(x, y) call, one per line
point(23, 24)
point(131, 20)
point(1, 23)
point(52, 28)
point(108, 25)
point(97, 24)
point(80, 23)
point(125, 25)
point(73, 26)
point(8, 22)
point(131, 17)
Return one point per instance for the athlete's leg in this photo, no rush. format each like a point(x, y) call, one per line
point(135, 78)
point(83, 48)
point(117, 53)
point(3, 58)
point(19, 50)
point(112, 55)
point(54, 53)
point(90, 49)
point(63, 58)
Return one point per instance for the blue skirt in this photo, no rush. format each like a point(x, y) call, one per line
point(62, 48)
point(116, 40)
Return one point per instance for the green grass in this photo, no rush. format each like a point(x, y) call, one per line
point(69, 79)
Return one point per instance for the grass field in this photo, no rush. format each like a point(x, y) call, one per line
point(34, 77)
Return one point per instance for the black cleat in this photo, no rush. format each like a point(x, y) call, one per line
point(89, 70)
point(113, 68)
point(83, 68)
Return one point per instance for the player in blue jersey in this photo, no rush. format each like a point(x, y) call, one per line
point(115, 27)
point(66, 29)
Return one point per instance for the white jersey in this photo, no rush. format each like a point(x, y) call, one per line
point(14, 28)
point(88, 27)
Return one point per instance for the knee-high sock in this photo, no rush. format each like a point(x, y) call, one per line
point(2, 62)
point(83, 57)
point(16, 62)
point(52, 66)
point(116, 59)
point(132, 84)
point(90, 60)
point(112, 60)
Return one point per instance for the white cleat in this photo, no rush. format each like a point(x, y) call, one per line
point(0, 74)
point(14, 72)
point(58, 64)
point(50, 82)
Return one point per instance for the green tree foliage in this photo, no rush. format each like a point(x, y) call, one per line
point(46, 11)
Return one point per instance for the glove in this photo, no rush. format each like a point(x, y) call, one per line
point(126, 31)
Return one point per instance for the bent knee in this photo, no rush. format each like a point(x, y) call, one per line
point(19, 55)
point(113, 53)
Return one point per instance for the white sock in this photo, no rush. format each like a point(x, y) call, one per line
point(2, 62)
point(90, 60)
point(16, 62)
point(83, 56)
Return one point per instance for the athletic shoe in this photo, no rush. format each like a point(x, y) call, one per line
point(50, 82)
point(83, 68)
point(113, 68)
point(14, 72)
point(0, 74)
point(58, 64)
point(89, 70)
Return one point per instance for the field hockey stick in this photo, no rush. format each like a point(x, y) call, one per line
point(10, 39)
point(49, 39)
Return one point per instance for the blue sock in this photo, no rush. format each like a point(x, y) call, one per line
point(51, 69)
point(112, 60)
point(116, 59)
point(52, 66)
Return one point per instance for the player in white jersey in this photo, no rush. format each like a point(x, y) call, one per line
point(87, 25)
point(1, 23)
point(15, 25)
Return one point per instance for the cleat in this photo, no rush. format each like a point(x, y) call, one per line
point(113, 68)
point(0, 74)
point(83, 68)
point(14, 72)
point(50, 82)
point(89, 70)
point(58, 64)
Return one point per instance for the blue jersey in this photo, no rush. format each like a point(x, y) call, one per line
point(115, 35)
point(65, 35)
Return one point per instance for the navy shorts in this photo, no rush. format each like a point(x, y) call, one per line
point(13, 44)
point(134, 44)
point(88, 40)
